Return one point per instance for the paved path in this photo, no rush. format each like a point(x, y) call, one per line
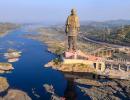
point(104, 43)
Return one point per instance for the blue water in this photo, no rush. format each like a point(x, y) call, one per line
point(29, 71)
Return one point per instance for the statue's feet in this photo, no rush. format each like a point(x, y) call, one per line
point(70, 50)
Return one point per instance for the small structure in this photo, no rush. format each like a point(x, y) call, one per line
point(79, 57)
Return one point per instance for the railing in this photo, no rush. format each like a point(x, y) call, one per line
point(122, 61)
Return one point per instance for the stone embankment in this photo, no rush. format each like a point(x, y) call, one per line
point(69, 67)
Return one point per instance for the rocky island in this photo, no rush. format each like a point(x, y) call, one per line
point(3, 84)
point(4, 67)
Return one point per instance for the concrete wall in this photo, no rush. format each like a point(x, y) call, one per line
point(76, 61)
point(100, 66)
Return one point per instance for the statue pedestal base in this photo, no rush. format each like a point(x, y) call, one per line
point(71, 54)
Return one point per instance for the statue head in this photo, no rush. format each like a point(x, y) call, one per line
point(73, 12)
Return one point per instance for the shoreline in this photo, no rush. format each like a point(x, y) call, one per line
point(6, 33)
point(7, 28)
point(54, 46)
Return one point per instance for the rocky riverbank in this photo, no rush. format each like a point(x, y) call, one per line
point(56, 40)
point(109, 90)
point(6, 27)
point(11, 94)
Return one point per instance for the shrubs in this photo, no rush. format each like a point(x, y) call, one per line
point(57, 61)
point(59, 50)
point(127, 37)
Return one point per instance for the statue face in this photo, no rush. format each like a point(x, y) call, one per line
point(73, 12)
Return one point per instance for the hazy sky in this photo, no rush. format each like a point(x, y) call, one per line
point(58, 10)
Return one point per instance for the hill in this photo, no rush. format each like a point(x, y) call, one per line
point(5, 27)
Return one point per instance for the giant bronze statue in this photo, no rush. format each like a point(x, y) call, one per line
point(72, 29)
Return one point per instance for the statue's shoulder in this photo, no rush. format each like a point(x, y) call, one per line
point(69, 16)
point(75, 16)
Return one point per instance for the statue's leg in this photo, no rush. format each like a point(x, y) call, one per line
point(70, 43)
point(74, 43)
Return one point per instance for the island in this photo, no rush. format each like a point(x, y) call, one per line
point(3, 84)
point(5, 67)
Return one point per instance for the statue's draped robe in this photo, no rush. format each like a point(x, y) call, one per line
point(72, 28)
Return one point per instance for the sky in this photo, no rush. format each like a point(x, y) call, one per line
point(58, 10)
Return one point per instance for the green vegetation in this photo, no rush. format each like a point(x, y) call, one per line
point(83, 65)
point(117, 35)
point(127, 37)
point(57, 61)
point(59, 50)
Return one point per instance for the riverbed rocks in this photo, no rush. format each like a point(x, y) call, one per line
point(96, 93)
point(12, 94)
point(49, 88)
point(88, 82)
point(3, 84)
point(110, 90)
point(16, 95)
point(125, 86)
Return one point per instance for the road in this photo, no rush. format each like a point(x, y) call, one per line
point(104, 43)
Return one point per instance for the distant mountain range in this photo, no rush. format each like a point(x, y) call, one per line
point(111, 23)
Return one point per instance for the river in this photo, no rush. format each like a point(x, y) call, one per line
point(29, 72)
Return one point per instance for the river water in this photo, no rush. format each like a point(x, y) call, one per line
point(29, 72)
